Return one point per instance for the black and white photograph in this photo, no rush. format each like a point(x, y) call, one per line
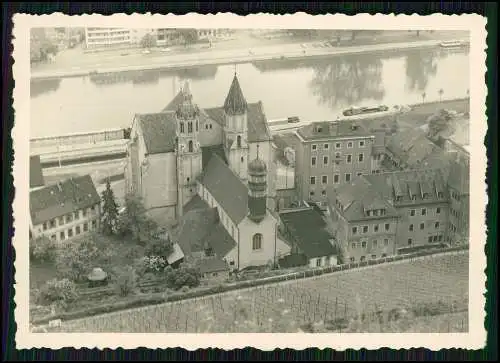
point(305, 178)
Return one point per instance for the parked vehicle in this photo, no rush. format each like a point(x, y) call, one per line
point(293, 119)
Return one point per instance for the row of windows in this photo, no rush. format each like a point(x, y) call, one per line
point(78, 229)
point(423, 211)
point(399, 198)
point(422, 226)
point(338, 145)
point(455, 213)
point(364, 229)
point(453, 228)
point(336, 178)
point(363, 258)
point(189, 126)
point(361, 158)
point(68, 218)
point(431, 239)
point(374, 244)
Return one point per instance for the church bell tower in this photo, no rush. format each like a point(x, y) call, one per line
point(257, 187)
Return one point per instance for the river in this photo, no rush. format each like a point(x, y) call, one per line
point(312, 89)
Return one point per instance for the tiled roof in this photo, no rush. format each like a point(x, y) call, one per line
point(360, 196)
point(401, 183)
point(208, 265)
point(307, 229)
point(36, 173)
point(235, 103)
point(176, 101)
point(332, 129)
point(158, 130)
point(227, 188)
point(411, 146)
point(65, 197)
point(459, 178)
point(208, 151)
point(200, 228)
point(216, 114)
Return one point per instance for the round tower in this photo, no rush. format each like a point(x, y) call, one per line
point(257, 187)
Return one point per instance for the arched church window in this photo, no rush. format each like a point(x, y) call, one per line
point(257, 241)
point(182, 126)
point(190, 127)
point(196, 126)
point(242, 159)
point(238, 141)
point(190, 146)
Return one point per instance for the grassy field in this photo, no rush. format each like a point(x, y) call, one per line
point(284, 307)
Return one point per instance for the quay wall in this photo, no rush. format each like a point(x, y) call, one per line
point(91, 137)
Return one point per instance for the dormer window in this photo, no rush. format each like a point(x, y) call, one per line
point(425, 195)
point(368, 212)
point(398, 198)
point(413, 197)
point(440, 195)
point(375, 212)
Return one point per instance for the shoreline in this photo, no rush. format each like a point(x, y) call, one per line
point(310, 53)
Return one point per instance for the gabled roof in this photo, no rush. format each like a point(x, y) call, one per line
point(235, 103)
point(308, 230)
point(208, 151)
point(227, 188)
point(36, 173)
point(411, 146)
point(200, 228)
point(62, 198)
point(174, 104)
point(333, 129)
point(158, 131)
point(359, 196)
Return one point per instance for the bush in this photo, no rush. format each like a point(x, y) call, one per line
point(125, 281)
point(185, 288)
point(185, 275)
point(57, 291)
point(77, 257)
point(42, 249)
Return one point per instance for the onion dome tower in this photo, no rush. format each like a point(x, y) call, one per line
point(257, 187)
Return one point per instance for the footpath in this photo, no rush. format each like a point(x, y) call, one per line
point(142, 62)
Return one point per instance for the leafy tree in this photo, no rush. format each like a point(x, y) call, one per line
point(423, 97)
point(42, 249)
point(185, 275)
point(57, 291)
point(148, 41)
point(109, 218)
point(189, 36)
point(134, 220)
point(159, 244)
point(438, 122)
point(76, 258)
point(441, 92)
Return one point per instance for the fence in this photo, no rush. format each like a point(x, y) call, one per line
point(217, 290)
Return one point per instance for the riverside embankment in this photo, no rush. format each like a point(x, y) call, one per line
point(153, 61)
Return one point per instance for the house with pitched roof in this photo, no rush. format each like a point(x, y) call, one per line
point(381, 214)
point(65, 210)
point(171, 149)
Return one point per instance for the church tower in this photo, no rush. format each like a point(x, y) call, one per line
point(257, 187)
point(236, 130)
point(188, 150)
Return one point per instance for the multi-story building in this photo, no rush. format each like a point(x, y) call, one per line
point(458, 188)
point(331, 154)
point(394, 210)
point(65, 210)
point(107, 37)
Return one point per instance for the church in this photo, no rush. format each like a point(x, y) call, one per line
point(212, 171)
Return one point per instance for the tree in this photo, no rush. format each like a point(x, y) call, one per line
point(468, 93)
point(441, 92)
point(159, 244)
point(438, 122)
point(109, 218)
point(185, 275)
point(423, 97)
point(77, 257)
point(189, 36)
point(42, 249)
point(148, 41)
point(125, 280)
point(134, 220)
point(56, 291)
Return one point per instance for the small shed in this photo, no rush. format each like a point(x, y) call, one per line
point(213, 268)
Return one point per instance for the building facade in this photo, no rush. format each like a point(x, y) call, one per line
point(331, 154)
point(65, 210)
point(107, 37)
point(168, 151)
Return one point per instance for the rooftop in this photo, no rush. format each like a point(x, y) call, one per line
point(235, 103)
point(332, 129)
point(411, 146)
point(308, 230)
point(158, 131)
point(62, 198)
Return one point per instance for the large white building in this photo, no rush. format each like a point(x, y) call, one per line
point(107, 37)
point(217, 158)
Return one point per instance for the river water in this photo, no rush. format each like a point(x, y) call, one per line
point(316, 89)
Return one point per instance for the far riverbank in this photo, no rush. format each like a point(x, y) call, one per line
point(235, 56)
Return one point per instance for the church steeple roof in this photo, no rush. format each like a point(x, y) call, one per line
point(187, 109)
point(235, 103)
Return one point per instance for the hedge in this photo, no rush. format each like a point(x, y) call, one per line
point(178, 296)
